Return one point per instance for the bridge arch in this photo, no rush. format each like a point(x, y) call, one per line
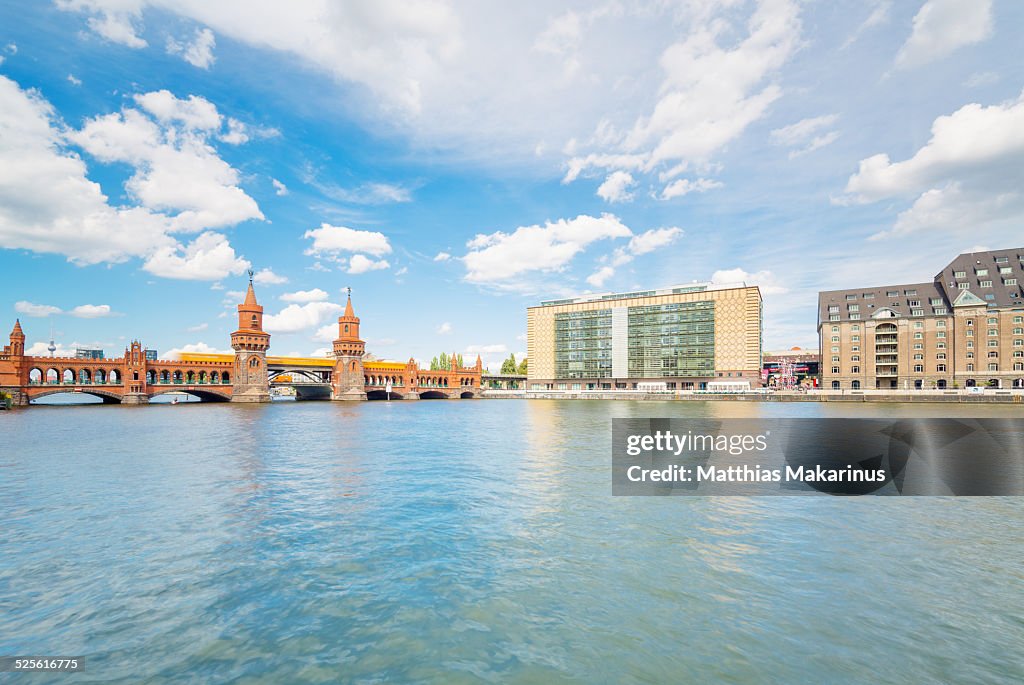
point(204, 395)
point(105, 395)
point(433, 395)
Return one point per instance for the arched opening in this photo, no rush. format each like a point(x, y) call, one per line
point(380, 394)
point(52, 376)
point(202, 378)
point(68, 377)
point(466, 395)
point(35, 376)
point(214, 377)
point(225, 378)
point(115, 377)
point(855, 385)
point(1018, 383)
point(918, 384)
point(254, 362)
point(433, 395)
point(84, 377)
point(190, 378)
point(941, 385)
point(177, 377)
point(150, 377)
point(100, 376)
point(352, 367)
point(994, 383)
point(835, 385)
point(165, 376)
point(970, 383)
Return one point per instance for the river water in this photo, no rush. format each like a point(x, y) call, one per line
point(469, 542)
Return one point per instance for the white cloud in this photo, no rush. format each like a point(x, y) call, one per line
point(40, 349)
point(326, 333)
point(598, 278)
point(198, 52)
point(332, 239)
point(980, 79)
point(444, 328)
point(942, 26)
point(964, 178)
point(196, 348)
point(684, 186)
point(442, 257)
point(268, 277)
point(360, 264)
point(92, 311)
point(279, 188)
point(501, 256)
point(806, 135)
point(296, 317)
point(365, 194)
point(175, 167)
point(616, 187)
point(114, 20)
point(879, 15)
point(709, 95)
point(765, 280)
point(314, 295)
point(497, 348)
point(317, 266)
point(401, 272)
point(74, 81)
point(38, 310)
point(207, 258)
point(198, 328)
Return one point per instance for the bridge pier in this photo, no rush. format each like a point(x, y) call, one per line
point(411, 395)
point(19, 398)
point(135, 398)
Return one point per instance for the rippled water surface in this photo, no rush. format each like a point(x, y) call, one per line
point(473, 541)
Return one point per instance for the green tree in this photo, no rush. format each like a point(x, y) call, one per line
point(523, 366)
point(509, 365)
point(433, 364)
point(461, 365)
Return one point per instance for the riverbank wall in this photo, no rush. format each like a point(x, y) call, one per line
point(910, 396)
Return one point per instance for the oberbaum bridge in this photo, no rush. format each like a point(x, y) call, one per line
point(246, 376)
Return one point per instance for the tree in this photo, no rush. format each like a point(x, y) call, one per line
point(434, 365)
point(509, 365)
point(461, 365)
point(523, 366)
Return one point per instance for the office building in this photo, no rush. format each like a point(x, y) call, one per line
point(684, 336)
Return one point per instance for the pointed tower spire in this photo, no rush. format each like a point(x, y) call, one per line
point(17, 329)
point(349, 313)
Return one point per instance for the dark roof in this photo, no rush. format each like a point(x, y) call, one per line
point(999, 294)
point(869, 300)
point(946, 287)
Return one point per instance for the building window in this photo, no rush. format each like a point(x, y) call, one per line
point(970, 333)
point(835, 357)
point(833, 317)
point(855, 369)
point(1010, 281)
point(833, 308)
point(854, 308)
point(918, 368)
point(981, 272)
point(910, 292)
point(940, 346)
point(855, 338)
point(855, 327)
point(1018, 331)
point(941, 310)
point(855, 348)
point(970, 355)
point(835, 385)
point(918, 324)
point(1018, 319)
point(993, 367)
point(918, 346)
point(940, 324)
point(963, 286)
point(1018, 343)
point(851, 297)
point(892, 293)
point(992, 321)
point(1005, 270)
point(993, 355)
point(940, 368)
point(868, 296)
point(940, 334)
point(835, 369)
point(835, 329)
point(993, 332)
point(835, 338)
point(985, 284)
point(1002, 260)
point(855, 358)
point(918, 356)
point(914, 303)
point(854, 317)
point(917, 312)
point(940, 355)
point(918, 336)
point(993, 343)
point(959, 274)
point(970, 322)
point(970, 367)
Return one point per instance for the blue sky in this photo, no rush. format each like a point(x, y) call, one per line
point(454, 162)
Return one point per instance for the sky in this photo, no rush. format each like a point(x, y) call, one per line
point(456, 162)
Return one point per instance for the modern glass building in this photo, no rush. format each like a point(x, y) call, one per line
point(684, 336)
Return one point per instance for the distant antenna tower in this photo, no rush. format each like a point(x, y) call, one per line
point(52, 348)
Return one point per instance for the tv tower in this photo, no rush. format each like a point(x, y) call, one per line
point(52, 348)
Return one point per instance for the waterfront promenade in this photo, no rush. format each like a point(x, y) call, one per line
point(987, 396)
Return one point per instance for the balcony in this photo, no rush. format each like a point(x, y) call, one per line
point(886, 338)
point(886, 373)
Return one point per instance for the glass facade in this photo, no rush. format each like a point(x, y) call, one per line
point(672, 340)
point(667, 340)
point(583, 344)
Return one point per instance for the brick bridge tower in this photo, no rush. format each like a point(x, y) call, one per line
point(348, 383)
point(13, 371)
point(250, 343)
